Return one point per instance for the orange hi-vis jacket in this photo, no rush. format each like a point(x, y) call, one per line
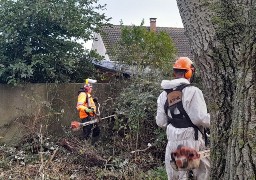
point(85, 101)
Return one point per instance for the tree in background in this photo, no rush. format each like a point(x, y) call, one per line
point(223, 39)
point(140, 48)
point(39, 39)
point(149, 55)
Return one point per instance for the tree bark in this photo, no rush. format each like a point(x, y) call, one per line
point(222, 35)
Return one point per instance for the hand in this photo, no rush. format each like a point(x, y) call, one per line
point(89, 110)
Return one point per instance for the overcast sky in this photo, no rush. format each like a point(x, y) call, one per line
point(133, 11)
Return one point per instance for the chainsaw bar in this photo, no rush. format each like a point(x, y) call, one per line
point(205, 153)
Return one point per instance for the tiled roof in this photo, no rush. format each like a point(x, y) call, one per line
point(180, 40)
point(110, 36)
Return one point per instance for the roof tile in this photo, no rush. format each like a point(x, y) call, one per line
point(111, 35)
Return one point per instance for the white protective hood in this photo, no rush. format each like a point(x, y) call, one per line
point(169, 84)
point(193, 103)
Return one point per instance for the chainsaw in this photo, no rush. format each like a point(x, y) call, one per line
point(186, 158)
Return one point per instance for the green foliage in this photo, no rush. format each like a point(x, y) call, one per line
point(128, 170)
point(149, 56)
point(142, 48)
point(136, 108)
point(157, 174)
point(38, 39)
point(138, 101)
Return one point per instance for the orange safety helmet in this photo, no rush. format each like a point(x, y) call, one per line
point(186, 64)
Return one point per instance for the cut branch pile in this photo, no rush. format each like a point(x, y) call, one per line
point(88, 154)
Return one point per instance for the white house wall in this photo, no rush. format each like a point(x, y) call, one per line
point(99, 46)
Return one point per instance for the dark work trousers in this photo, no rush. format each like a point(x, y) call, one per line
point(91, 127)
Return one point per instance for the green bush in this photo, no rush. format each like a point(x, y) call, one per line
point(136, 110)
point(157, 174)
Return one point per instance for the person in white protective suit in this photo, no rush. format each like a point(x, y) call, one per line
point(180, 130)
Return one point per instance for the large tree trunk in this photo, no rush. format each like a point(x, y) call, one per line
point(222, 35)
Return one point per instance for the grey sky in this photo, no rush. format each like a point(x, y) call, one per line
point(133, 11)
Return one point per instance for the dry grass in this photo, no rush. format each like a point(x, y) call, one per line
point(36, 159)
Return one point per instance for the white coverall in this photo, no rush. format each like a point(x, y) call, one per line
point(195, 106)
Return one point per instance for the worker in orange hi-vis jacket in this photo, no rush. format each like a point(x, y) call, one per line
point(87, 109)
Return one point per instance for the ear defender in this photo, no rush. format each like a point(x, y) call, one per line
point(188, 74)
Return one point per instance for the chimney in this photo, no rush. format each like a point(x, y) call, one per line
point(152, 24)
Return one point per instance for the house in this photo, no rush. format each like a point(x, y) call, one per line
point(103, 42)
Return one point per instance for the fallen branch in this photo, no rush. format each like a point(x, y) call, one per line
point(142, 150)
point(52, 156)
point(88, 155)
